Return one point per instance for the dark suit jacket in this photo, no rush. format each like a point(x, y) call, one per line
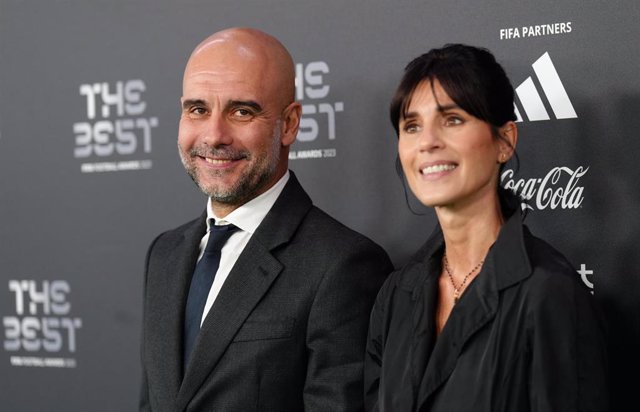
point(287, 331)
point(525, 336)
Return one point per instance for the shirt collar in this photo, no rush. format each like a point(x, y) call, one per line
point(249, 216)
point(508, 253)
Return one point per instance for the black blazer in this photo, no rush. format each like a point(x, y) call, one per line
point(525, 335)
point(287, 331)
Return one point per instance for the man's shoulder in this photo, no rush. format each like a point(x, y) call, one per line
point(321, 225)
point(175, 234)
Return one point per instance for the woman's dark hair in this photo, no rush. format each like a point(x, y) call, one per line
point(470, 76)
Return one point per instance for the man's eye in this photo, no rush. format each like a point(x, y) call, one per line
point(197, 111)
point(242, 113)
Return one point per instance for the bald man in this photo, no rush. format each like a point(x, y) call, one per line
point(284, 320)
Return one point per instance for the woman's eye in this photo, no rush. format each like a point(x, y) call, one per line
point(453, 120)
point(410, 128)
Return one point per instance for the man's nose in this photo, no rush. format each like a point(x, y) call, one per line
point(217, 130)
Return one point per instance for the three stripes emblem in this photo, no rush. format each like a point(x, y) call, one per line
point(552, 88)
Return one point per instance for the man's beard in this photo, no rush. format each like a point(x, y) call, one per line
point(248, 184)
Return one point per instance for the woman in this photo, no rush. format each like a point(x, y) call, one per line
point(485, 316)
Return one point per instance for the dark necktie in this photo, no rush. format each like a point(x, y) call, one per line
point(201, 281)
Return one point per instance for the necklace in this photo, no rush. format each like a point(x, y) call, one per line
point(458, 289)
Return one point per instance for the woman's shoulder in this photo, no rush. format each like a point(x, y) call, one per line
point(408, 278)
point(545, 256)
point(551, 269)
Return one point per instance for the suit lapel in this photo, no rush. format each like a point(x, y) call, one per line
point(252, 275)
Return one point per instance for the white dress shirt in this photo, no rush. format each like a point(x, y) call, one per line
point(247, 218)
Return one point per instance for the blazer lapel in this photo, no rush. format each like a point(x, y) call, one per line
point(248, 281)
point(425, 297)
point(242, 290)
point(477, 307)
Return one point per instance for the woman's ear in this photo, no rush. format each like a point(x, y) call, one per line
point(507, 142)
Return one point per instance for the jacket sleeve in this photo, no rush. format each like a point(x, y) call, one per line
point(143, 402)
point(144, 395)
point(373, 354)
point(337, 328)
point(569, 358)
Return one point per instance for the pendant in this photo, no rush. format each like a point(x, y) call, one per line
point(456, 296)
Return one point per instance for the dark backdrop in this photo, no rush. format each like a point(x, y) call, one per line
point(89, 172)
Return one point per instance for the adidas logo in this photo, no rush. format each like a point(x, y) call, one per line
point(552, 89)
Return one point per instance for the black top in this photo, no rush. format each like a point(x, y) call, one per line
point(525, 336)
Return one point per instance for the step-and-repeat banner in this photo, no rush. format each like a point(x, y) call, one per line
point(89, 170)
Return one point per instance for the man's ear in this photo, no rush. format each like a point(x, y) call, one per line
point(290, 123)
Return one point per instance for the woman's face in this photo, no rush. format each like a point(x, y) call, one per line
point(450, 158)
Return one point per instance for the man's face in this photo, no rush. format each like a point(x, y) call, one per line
point(230, 136)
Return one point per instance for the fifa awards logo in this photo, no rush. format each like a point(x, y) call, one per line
point(116, 129)
point(41, 329)
point(318, 121)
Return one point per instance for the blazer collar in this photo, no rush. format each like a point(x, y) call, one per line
point(250, 278)
point(506, 263)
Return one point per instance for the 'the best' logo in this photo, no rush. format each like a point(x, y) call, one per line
point(41, 324)
point(115, 127)
point(318, 114)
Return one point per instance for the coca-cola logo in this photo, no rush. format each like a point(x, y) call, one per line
point(558, 189)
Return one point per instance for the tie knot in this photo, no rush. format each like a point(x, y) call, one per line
point(218, 236)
